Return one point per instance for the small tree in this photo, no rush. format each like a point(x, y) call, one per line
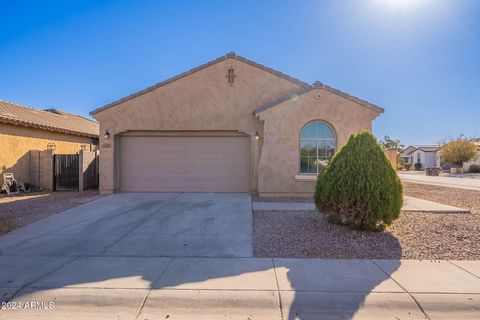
point(388, 144)
point(458, 151)
point(359, 187)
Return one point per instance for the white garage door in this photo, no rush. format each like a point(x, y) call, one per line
point(184, 164)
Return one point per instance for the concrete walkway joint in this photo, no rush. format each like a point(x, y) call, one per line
point(409, 204)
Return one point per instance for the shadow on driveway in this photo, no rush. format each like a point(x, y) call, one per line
point(106, 260)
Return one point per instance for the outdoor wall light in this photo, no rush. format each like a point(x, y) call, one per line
point(106, 135)
point(257, 136)
point(51, 146)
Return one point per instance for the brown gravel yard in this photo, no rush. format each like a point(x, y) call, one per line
point(25, 208)
point(465, 199)
point(413, 236)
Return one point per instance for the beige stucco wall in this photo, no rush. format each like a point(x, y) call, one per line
point(204, 100)
point(279, 163)
point(201, 101)
point(16, 142)
point(88, 169)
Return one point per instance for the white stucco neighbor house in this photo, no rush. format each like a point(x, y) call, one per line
point(427, 155)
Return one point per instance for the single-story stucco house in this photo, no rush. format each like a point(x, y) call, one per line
point(230, 125)
point(24, 131)
point(426, 155)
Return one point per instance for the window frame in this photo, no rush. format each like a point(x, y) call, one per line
point(300, 139)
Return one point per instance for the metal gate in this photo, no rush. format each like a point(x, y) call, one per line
point(65, 168)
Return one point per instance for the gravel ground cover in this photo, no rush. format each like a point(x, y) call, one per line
point(305, 234)
point(19, 210)
point(466, 199)
point(415, 235)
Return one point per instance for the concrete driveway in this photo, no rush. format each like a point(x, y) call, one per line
point(143, 224)
point(186, 256)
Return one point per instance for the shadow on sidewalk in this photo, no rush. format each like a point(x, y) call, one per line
point(212, 288)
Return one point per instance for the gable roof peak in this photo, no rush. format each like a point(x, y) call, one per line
point(230, 54)
point(319, 85)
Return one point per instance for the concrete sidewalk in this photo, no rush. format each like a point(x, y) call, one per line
point(461, 183)
point(409, 204)
point(415, 204)
point(238, 288)
point(283, 206)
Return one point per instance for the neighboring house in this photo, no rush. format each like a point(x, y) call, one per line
point(424, 154)
point(230, 125)
point(24, 130)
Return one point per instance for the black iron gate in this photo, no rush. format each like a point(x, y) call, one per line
point(65, 168)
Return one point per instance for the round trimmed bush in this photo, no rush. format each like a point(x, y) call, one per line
point(359, 188)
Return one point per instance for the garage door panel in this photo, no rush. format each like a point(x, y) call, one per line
point(185, 164)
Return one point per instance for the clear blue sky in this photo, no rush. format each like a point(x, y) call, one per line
point(419, 59)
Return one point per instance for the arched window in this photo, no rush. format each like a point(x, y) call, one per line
point(317, 147)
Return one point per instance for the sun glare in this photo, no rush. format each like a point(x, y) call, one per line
point(400, 4)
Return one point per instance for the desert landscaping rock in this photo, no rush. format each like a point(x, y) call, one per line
point(467, 199)
point(305, 234)
point(23, 209)
point(415, 235)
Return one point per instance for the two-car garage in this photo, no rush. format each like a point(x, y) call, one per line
point(163, 163)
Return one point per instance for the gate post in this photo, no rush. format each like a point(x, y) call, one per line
point(46, 170)
point(87, 170)
point(81, 170)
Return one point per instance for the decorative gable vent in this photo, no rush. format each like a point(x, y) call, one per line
point(231, 75)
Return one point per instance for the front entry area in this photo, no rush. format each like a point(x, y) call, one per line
point(184, 164)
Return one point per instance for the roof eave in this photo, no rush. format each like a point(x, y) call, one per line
point(230, 55)
point(319, 85)
point(45, 127)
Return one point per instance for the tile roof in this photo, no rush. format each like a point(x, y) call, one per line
point(230, 55)
point(305, 87)
point(51, 119)
point(319, 85)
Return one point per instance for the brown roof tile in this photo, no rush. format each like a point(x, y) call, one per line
point(305, 87)
point(51, 119)
point(230, 55)
point(319, 85)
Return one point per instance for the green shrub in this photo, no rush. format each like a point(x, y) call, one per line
point(474, 168)
point(418, 166)
point(408, 166)
point(359, 188)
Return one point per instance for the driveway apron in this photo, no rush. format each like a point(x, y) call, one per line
point(142, 224)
